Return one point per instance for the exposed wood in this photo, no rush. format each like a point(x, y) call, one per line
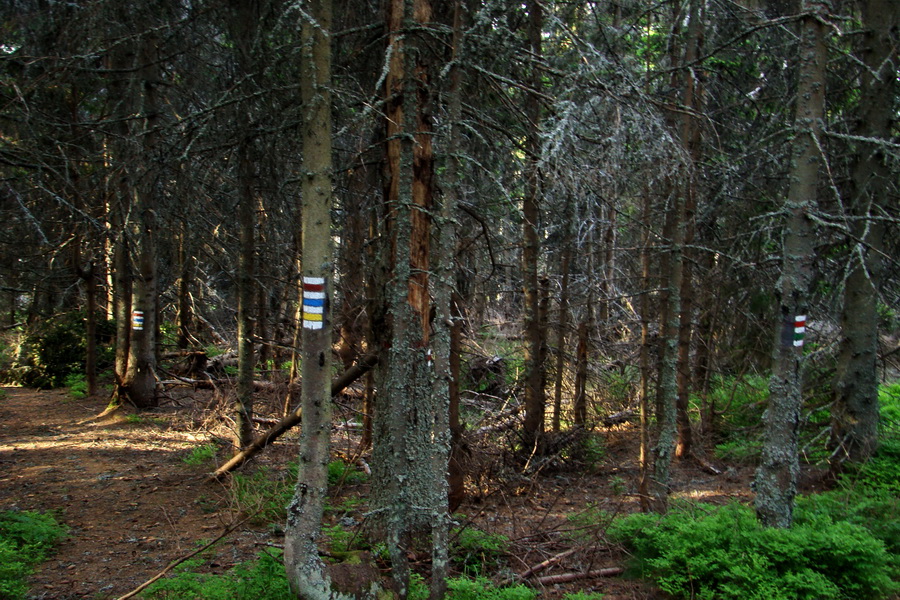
point(550, 561)
point(569, 577)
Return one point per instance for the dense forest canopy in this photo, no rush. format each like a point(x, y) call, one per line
point(588, 212)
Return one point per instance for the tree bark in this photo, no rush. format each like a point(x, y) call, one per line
point(582, 353)
point(535, 401)
point(139, 384)
point(307, 575)
point(690, 141)
point(776, 477)
point(644, 459)
point(243, 406)
point(411, 440)
point(563, 322)
point(667, 389)
point(855, 411)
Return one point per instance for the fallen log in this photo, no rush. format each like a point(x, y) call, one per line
point(568, 577)
point(365, 364)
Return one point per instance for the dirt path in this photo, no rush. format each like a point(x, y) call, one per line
point(121, 485)
point(133, 505)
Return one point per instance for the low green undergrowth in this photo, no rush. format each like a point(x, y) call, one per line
point(200, 455)
point(722, 553)
point(260, 579)
point(882, 471)
point(265, 579)
point(77, 384)
point(476, 552)
point(26, 539)
point(267, 492)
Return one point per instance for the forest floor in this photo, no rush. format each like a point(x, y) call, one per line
point(133, 505)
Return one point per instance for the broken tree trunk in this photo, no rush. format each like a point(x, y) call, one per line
point(293, 419)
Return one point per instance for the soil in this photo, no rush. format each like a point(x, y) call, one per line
point(133, 505)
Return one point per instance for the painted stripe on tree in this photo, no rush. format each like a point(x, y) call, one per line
point(314, 302)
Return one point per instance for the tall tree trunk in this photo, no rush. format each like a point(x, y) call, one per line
point(533, 332)
point(644, 458)
point(411, 441)
point(187, 262)
point(455, 471)
point(90, 363)
point(122, 291)
point(88, 274)
point(855, 410)
point(306, 572)
point(139, 383)
point(690, 141)
point(667, 389)
point(243, 406)
point(245, 23)
point(776, 477)
point(582, 354)
point(563, 327)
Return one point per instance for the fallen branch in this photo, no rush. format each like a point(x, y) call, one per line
point(256, 446)
point(623, 416)
point(543, 565)
point(177, 562)
point(568, 577)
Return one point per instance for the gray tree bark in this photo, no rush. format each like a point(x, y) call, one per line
point(855, 411)
point(776, 477)
point(139, 383)
point(411, 436)
point(307, 574)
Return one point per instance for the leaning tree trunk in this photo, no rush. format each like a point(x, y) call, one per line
point(855, 410)
point(776, 477)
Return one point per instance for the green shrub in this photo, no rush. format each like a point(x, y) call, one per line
point(480, 588)
point(339, 539)
point(588, 522)
point(616, 388)
point(341, 472)
point(264, 579)
point(739, 404)
point(265, 493)
point(200, 455)
point(583, 596)
point(474, 551)
point(723, 553)
point(77, 385)
point(261, 579)
point(877, 510)
point(882, 471)
point(26, 539)
point(55, 349)
point(465, 588)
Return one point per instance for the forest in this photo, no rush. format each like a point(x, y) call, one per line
point(463, 299)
